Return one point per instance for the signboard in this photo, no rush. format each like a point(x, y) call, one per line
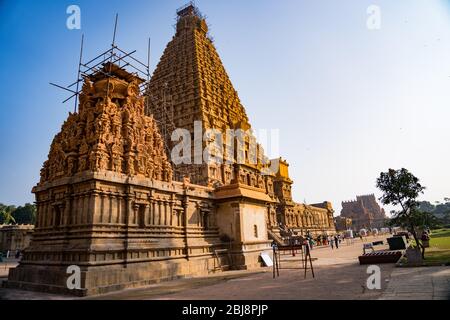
point(267, 259)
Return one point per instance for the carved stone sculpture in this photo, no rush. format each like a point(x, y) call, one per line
point(109, 130)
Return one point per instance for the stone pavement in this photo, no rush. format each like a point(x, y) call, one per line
point(338, 276)
point(425, 283)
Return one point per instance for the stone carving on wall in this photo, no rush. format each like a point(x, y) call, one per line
point(110, 132)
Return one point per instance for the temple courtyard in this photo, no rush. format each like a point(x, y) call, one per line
point(338, 275)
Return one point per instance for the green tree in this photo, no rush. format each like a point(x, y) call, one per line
point(25, 214)
point(446, 218)
point(442, 208)
point(402, 188)
point(6, 214)
point(440, 211)
point(426, 206)
point(420, 219)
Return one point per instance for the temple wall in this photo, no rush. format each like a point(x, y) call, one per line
point(129, 231)
point(254, 223)
point(138, 230)
point(229, 221)
point(15, 237)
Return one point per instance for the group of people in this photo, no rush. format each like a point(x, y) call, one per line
point(321, 240)
point(334, 241)
point(324, 240)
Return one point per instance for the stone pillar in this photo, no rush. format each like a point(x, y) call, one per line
point(147, 215)
point(165, 213)
point(159, 213)
point(113, 217)
point(121, 212)
point(135, 214)
point(153, 212)
point(73, 211)
point(185, 223)
point(124, 209)
point(48, 215)
point(80, 206)
point(91, 208)
point(60, 218)
point(96, 207)
point(171, 213)
point(176, 215)
point(103, 207)
point(111, 209)
point(52, 216)
point(86, 209)
point(40, 214)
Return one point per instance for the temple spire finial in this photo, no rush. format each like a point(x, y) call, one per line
point(189, 9)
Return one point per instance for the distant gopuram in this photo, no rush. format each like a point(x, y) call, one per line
point(364, 212)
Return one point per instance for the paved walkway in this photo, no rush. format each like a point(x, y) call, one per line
point(425, 283)
point(338, 276)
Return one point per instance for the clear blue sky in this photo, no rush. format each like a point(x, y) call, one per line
point(349, 102)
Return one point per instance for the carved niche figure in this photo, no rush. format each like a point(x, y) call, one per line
point(269, 185)
point(71, 165)
point(150, 168)
point(130, 164)
point(116, 156)
point(140, 165)
point(260, 182)
point(252, 180)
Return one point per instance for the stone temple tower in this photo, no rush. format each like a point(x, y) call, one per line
point(191, 90)
point(190, 84)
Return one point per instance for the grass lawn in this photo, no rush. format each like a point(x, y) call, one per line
point(439, 250)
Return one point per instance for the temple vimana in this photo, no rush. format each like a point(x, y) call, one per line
point(364, 212)
point(112, 202)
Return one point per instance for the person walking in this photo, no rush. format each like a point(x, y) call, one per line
point(311, 243)
point(336, 241)
point(330, 240)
